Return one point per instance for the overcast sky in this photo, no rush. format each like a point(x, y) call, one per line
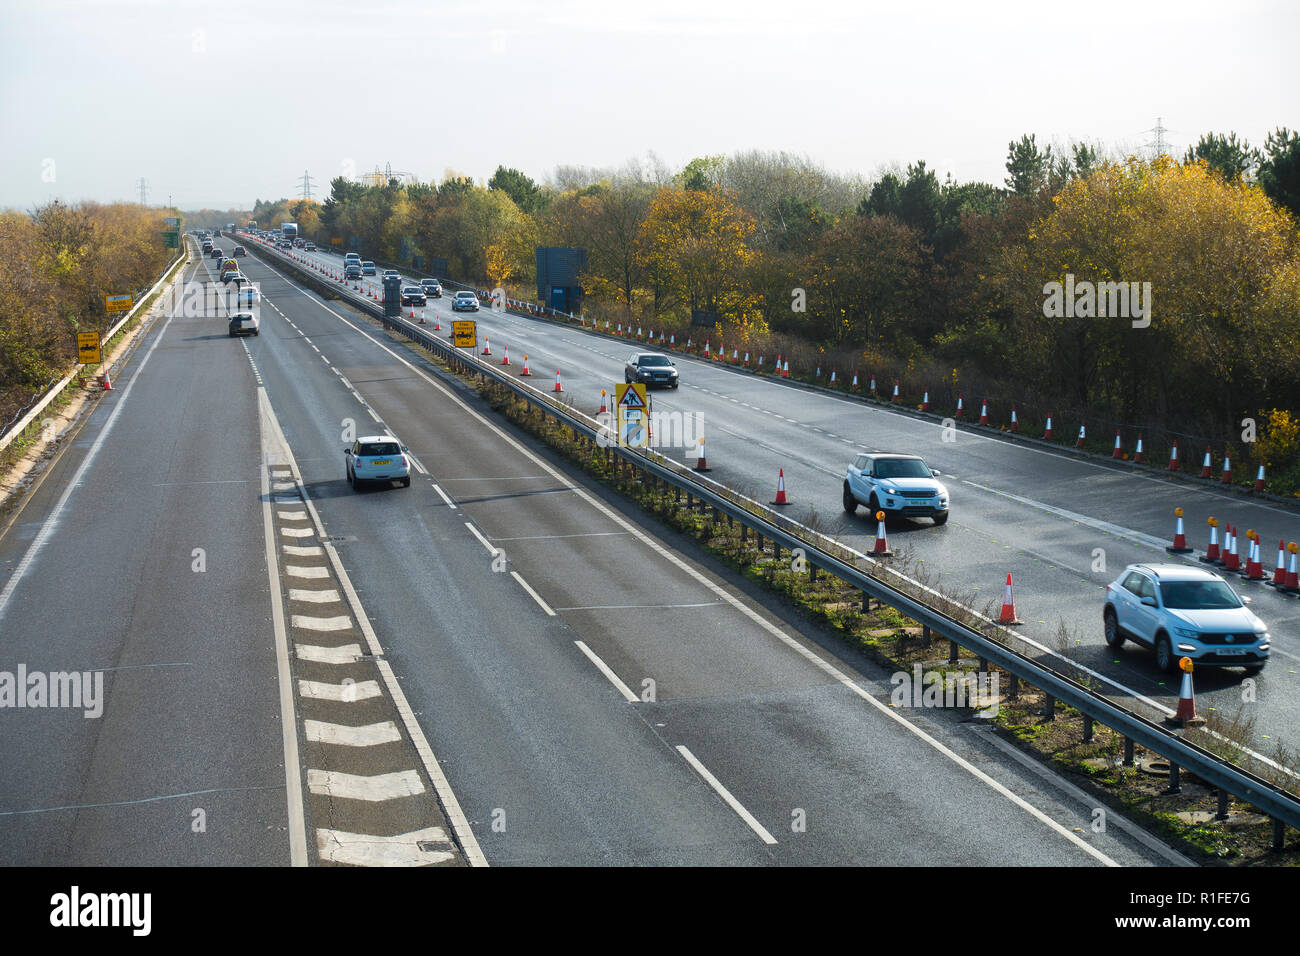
point(220, 103)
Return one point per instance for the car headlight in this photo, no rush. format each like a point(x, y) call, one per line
point(1188, 632)
point(1187, 648)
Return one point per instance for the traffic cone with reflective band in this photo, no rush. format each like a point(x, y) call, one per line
point(672, 341)
point(984, 412)
point(422, 322)
point(108, 383)
point(1180, 539)
point(412, 315)
point(1116, 453)
point(832, 376)
point(1205, 465)
point(437, 325)
point(1231, 559)
point(872, 387)
point(925, 400)
point(961, 406)
point(1185, 715)
point(525, 371)
point(1047, 432)
point(1083, 433)
point(1279, 572)
point(780, 498)
point(894, 397)
point(881, 547)
point(1211, 555)
point(701, 460)
point(604, 408)
point(1008, 615)
point(558, 386)
point(487, 346)
point(505, 357)
point(1259, 479)
point(854, 386)
point(1226, 476)
point(1015, 423)
point(1254, 563)
point(1173, 456)
point(1292, 582)
point(785, 369)
point(819, 372)
point(1138, 456)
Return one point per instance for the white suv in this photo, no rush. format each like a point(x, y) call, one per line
point(897, 485)
point(1183, 611)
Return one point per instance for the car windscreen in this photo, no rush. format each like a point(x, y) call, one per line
point(901, 468)
point(1198, 595)
point(379, 448)
point(656, 360)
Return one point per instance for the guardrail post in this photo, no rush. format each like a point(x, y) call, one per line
point(1175, 785)
point(1128, 751)
point(866, 601)
point(952, 651)
point(925, 633)
point(982, 667)
point(744, 533)
point(1087, 729)
point(812, 572)
point(1013, 689)
point(1222, 813)
point(1049, 707)
point(1279, 834)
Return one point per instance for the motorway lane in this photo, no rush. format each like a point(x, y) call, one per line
point(191, 718)
point(1064, 527)
point(524, 721)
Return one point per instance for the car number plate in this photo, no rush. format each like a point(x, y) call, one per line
point(1232, 650)
point(382, 461)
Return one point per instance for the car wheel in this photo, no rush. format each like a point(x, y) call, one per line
point(1253, 669)
point(941, 518)
point(675, 384)
point(850, 503)
point(406, 482)
point(232, 335)
point(1165, 655)
point(873, 505)
point(349, 475)
point(1114, 636)
point(256, 332)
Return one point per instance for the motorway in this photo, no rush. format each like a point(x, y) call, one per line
point(592, 688)
point(1064, 526)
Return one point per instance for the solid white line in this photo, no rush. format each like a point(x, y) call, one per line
point(552, 537)
point(487, 544)
point(450, 503)
point(536, 597)
point(52, 520)
point(637, 607)
point(725, 794)
point(373, 415)
point(374, 789)
point(416, 462)
point(604, 668)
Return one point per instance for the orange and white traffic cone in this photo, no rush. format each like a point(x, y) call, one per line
point(1047, 432)
point(1231, 559)
point(1015, 422)
point(412, 315)
point(108, 383)
point(1211, 555)
point(1226, 476)
point(881, 547)
point(1205, 465)
point(487, 346)
point(894, 397)
point(505, 358)
point(558, 386)
point(1083, 433)
point(525, 371)
point(604, 407)
point(1185, 715)
point(1117, 453)
point(701, 460)
point(1254, 563)
point(1259, 479)
point(984, 412)
point(961, 406)
point(422, 322)
point(872, 387)
point(1173, 456)
point(854, 386)
point(1139, 456)
point(1292, 583)
point(925, 401)
point(1279, 572)
point(780, 499)
point(1180, 538)
point(832, 376)
point(1008, 615)
point(785, 369)
point(437, 325)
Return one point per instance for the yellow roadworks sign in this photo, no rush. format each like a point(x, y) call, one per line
point(88, 351)
point(464, 333)
point(119, 303)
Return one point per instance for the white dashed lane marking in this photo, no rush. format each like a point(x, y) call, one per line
point(338, 693)
point(321, 732)
point(347, 654)
point(351, 786)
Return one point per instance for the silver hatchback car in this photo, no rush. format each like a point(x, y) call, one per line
point(1182, 611)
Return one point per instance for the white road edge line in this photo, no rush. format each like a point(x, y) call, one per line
point(484, 541)
point(613, 678)
point(443, 494)
point(446, 796)
point(725, 794)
